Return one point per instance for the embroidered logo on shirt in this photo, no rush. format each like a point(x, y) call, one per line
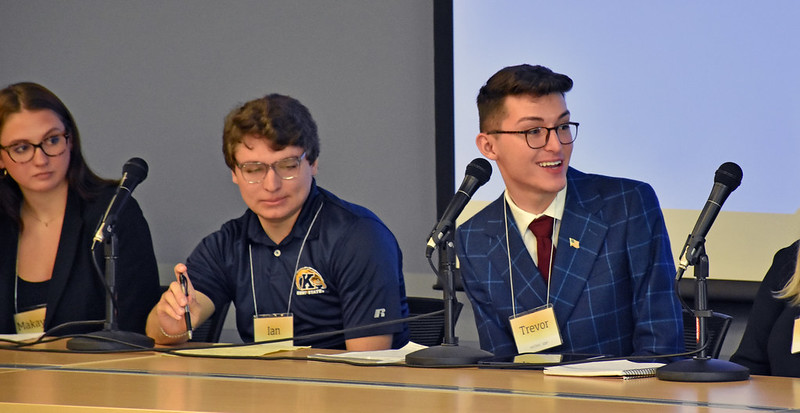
point(308, 281)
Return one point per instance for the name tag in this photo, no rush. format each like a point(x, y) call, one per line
point(268, 327)
point(535, 330)
point(31, 321)
point(796, 336)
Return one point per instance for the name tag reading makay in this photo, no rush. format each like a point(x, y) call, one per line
point(535, 330)
point(31, 321)
point(268, 327)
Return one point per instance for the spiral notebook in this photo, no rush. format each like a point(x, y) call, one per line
point(612, 368)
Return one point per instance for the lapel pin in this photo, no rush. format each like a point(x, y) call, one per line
point(574, 243)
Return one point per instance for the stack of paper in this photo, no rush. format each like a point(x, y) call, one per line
point(373, 357)
point(612, 368)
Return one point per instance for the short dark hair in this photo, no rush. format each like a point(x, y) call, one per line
point(281, 120)
point(513, 81)
point(33, 96)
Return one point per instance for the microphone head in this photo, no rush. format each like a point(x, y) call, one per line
point(480, 169)
point(135, 169)
point(729, 174)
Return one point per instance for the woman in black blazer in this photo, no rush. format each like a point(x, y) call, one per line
point(50, 206)
point(767, 341)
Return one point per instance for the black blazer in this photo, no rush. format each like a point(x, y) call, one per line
point(75, 292)
point(767, 340)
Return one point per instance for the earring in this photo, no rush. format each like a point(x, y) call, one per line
point(5, 172)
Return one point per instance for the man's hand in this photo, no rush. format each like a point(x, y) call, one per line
point(166, 324)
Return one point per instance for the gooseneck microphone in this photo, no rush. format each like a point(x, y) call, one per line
point(703, 367)
point(133, 173)
point(478, 173)
point(727, 178)
point(449, 352)
point(111, 338)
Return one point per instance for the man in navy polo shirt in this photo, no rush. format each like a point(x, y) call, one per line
point(298, 251)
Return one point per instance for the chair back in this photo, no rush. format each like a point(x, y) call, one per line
point(428, 331)
point(716, 327)
point(211, 329)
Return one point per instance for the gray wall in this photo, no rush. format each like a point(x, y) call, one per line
point(154, 79)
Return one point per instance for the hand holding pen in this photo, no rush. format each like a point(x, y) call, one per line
point(187, 315)
point(170, 321)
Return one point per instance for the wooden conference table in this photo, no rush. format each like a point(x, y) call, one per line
point(151, 381)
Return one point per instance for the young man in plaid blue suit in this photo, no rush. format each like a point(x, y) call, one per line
point(609, 285)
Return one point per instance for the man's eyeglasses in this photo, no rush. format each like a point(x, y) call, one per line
point(537, 137)
point(22, 152)
point(255, 172)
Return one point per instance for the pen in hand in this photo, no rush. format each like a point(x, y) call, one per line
point(187, 316)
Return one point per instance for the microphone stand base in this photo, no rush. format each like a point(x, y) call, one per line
point(705, 370)
point(450, 355)
point(110, 340)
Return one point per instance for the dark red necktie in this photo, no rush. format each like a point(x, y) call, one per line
point(542, 229)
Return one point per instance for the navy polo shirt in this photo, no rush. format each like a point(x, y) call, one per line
point(349, 273)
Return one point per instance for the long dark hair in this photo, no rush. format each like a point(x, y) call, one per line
point(32, 96)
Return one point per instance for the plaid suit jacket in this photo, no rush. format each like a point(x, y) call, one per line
point(612, 283)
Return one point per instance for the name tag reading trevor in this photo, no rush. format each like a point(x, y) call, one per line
point(269, 327)
point(535, 330)
point(796, 336)
point(31, 321)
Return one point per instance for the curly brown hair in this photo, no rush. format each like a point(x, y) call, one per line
point(281, 120)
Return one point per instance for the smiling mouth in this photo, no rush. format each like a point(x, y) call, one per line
point(552, 164)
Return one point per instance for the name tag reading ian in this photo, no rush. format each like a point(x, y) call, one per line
point(535, 330)
point(278, 326)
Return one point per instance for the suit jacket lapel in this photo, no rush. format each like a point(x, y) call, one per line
point(68, 246)
point(581, 237)
point(529, 286)
point(8, 273)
